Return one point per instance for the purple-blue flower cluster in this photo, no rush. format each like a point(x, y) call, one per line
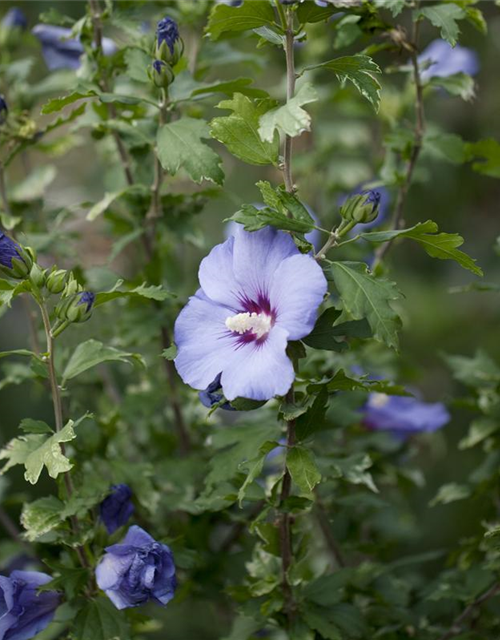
point(24, 611)
point(403, 415)
point(257, 293)
point(117, 509)
point(137, 570)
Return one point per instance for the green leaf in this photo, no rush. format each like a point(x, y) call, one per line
point(358, 69)
point(364, 296)
point(437, 245)
point(41, 516)
point(35, 426)
point(57, 104)
point(459, 84)
point(253, 219)
point(302, 467)
point(311, 12)
point(290, 119)
point(324, 335)
point(137, 62)
point(91, 353)
point(35, 451)
point(272, 35)
point(71, 580)
point(314, 418)
point(103, 205)
point(149, 292)
point(448, 146)
point(354, 470)
point(239, 131)
point(450, 493)
point(100, 620)
point(479, 431)
point(251, 15)
point(488, 151)
point(170, 353)
point(321, 620)
point(394, 6)
point(180, 145)
point(254, 467)
point(478, 371)
point(445, 18)
point(33, 187)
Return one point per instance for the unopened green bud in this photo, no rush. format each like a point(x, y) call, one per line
point(76, 308)
point(56, 280)
point(71, 287)
point(361, 208)
point(37, 275)
point(169, 45)
point(161, 74)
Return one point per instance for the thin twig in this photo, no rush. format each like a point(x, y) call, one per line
point(326, 530)
point(397, 216)
point(58, 415)
point(457, 625)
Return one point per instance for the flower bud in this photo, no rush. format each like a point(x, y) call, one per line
point(15, 260)
point(71, 287)
point(15, 19)
point(4, 110)
point(161, 74)
point(37, 275)
point(56, 280)
point(76, 308)
point(169, 45)
point(361, 208)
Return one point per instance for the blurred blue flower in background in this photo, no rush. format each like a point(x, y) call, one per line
point(137, 570)
point(15, 17)
point(60, 50)
point(403, 415)
point(4, 110)
point(24, 611)
point(446, 60)
point(117, 509)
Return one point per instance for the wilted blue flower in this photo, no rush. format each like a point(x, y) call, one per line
point(23, 611)
point(137, 570)
point(15, 17)
point(213, 395)
point(15, 261)
point(403, 415)
point(117, 509)
point(167, 31)
point(60, 50)
point(4, 110)
point(257, 293)
point(446, 60)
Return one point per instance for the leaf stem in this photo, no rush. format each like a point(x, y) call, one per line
point(397, 216)
point(290, 91)
point(285, 532)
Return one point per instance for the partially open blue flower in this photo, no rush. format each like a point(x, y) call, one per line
point(257, 293)
point(87, 298)
point(136, 571)
point(4, 110)
point(24, 612)
point(117, 509)
point(60, 50)
point(403, 415)
point(213, 395)
point(445, 60)
point(167, 31)
point(15, 18)
point(15, 261)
